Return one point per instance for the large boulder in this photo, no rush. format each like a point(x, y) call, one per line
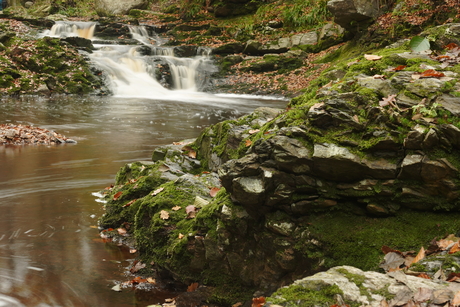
point(350, 13)
point(118, 7)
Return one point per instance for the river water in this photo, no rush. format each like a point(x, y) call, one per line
point(50, 251)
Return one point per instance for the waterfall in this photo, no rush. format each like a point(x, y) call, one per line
point(66, 29)
point(148, 69)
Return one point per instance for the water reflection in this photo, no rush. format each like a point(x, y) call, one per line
point(49, 253)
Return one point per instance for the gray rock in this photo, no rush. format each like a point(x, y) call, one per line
point(118, 7)
point(349, 13)
point(425, 87)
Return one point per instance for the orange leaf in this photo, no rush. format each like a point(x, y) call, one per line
point(455, 248)
point(192, 287)
point(386, 250)
point(431, 73)
point(456, 300)
point(420, 256)
point(423, 275)
point(130, 203)
point(443, 244)
point(258, 301)
point(451, 46)
point(213, 192)
point(117, 196)
point(400, 67)
point(248, 143)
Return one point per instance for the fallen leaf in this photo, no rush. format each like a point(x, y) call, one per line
point(190, 152)
point(355, 118)
point(451, 46)
point(254, 131)
point(372, 57)
point(456, 300)
point(192, 287)
point(386, 250)
point(441, 296)
point(137, 266)
point(175, 208)
point(352, 63)
point(122, 231)
point(400, 67)
point(117, 195)
point(439, 275)
point(157, 191)
point(383, 303)
point(389, 100)
point(163, 168)
point(453, 277)
point(381, 77)
point(444, 244)
point(416, 76)
point(455, 248)
point(431, 73)
point(93, 226)
point(258, 301)
point(117, 288)
point(132, 250)
point(248, 143)
point(420, 256)
point(164, 215)
point(239, 304)
point(424, 275)
point(417, 116)
point(180, 236)
point(392, 262)
point(213, 192)
point(402, 297)
point(151, 280)
point(129, 204)
point(422, 295)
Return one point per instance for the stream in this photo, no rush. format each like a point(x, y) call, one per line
point(51, 253)
point(50, 250)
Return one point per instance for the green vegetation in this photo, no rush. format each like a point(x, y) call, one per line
point(300, 295)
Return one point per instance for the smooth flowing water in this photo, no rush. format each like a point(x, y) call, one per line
point(50, 252)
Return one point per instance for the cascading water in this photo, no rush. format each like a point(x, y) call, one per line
point(134, 70)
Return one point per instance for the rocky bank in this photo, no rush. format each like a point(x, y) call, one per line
point(366, 157)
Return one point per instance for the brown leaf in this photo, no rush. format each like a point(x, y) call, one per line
point(352, 63)
point(392, 261)
point(442, 296)
point(258, 301)
point(190, 152)
point(389, 100)
point(417, 116)
point(157, 191)
point(424, 275)
point(213, 192)
point(420, 256)
point(386, 250)
point(117, 195)
point(191, 211)
point(443, 244)
point(180, 236)
point(422, 295)
point(453, 277)
point(372, 57)
point(164, 215)
point(192, 287)
point(175, 208)
point(431, 73)
point(248, 143)
point(402, 297)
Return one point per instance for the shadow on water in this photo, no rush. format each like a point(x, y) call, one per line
point(50, 251)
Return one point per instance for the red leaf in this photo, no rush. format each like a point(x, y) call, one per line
point(258, 301)
point(400, 67)
point(117, 196)
point(451, 46)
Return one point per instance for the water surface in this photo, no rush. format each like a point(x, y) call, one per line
point(50, 254)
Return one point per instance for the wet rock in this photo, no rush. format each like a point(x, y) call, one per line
point(106, 8)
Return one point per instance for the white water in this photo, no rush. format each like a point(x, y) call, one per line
point(132, 74)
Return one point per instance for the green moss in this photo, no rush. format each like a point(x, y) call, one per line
point(358, 243)
point(305, 296)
